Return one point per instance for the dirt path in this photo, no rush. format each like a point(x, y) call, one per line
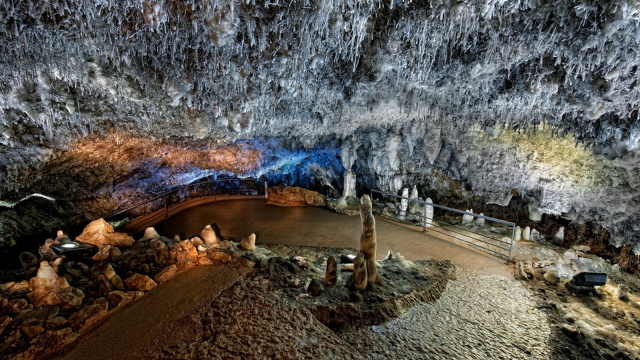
point(129, 330)
point(314, 226)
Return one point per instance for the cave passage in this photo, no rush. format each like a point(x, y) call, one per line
point(314, 226)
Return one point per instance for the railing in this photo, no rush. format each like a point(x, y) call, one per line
point(233, 186)
point(472, 234)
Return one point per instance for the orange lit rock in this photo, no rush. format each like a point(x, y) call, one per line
point(99, 233)
point(249, 243)
point(185, 250)
point(140, 282)
point(166, 274)
point(51, 289)
point(295, 196)
point(120, 298)
point(89, 315)
point(209, 237)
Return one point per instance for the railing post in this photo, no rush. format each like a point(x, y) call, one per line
point(424, 217)
point(513, 240)
point(266, 188)
point(166, 206)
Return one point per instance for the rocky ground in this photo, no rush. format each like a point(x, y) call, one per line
point(283, 309)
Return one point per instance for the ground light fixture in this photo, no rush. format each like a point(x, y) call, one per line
point(74, 249)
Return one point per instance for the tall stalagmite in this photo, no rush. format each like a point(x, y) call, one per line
point(368, 243)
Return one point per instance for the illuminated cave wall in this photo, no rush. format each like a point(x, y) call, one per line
point(402, 92)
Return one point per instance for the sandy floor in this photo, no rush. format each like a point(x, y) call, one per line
point(322, 227)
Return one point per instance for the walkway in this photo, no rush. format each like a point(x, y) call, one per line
point(131, 329)
point(322, 227)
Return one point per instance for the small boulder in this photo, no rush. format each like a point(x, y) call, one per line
point(249, 243)
point(46, 252)
point(140, 282)
point(185, 254)
point(28, 260)
point(99, 233)
point(219, 256)
point(552, 277)
point(480, 221)
point(160, 252)
point(583, 248)
point(315, 288)
point(103, 253)
point(89, 315)
point(467, 218)
point(166, 274)
point(120, 298)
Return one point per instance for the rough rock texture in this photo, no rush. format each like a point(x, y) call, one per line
point(368, 244)
point(492, 94)
point(139, 282)
point(249, 243)
point(291, 195)
point(51, 289)
point(99, 233)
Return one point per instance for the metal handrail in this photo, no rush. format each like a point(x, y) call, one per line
point(164, 195)
point(488, 218)
point(508, 223)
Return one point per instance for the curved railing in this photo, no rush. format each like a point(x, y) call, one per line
point(210, 188)
point(478, 237)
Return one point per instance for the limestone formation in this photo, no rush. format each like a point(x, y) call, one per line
point(389, 256)
point(414, 207)
point(166, 274)
point(185, 255)
point(51, 289)
point(150, 233)
point(315, 288)
point(209, 237)
point(249, 243)
point(467, 218)
point(291, 195)
point(398, 258)
point(104, 253)
point(90, 315)
point(368, 242)
point(560, 234)
point(517, 233)
point(160, 252)
point(99, 233)
point(480, 221)
point(404, 203)
point(526, 233)
point(359, 277)
point(331, 276)
point(61, 238)
point(534, 213)
point(140, 282)
point(535, 235)
point(120, 298)
point(349, 188)
point(28, 260)
point(428, 213)
point(46, 252)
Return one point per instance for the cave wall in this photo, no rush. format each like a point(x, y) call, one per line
point(488, 93)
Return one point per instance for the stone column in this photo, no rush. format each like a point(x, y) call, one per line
point(428, 214)
point(404, 202)
point(368, 243)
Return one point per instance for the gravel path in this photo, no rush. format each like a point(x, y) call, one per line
point(479, 316)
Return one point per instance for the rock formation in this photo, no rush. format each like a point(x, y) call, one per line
point(28, 260)
point(209, 237)
point(249, 243)
point(428, 213)
point(526, 233)
point(99, 233)
point(404, 203)
point(50, 289)
point(359, 277)
point(331, 275)
point(150, 233)
point(467, 218)
point(368, 244)
point(140, 282)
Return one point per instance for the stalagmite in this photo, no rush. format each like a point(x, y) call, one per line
point(359, 278)
point(331, 276)
point(480, 221)
point(517, 233)
point(349, 184)
point(414, 207)
point(466, 218)
point(428, 213)
point(368, 244)
point(404, 203)
point(150, 233)
point(209, 237)
point(560, 234)
point(249, 243)
point(526, 234)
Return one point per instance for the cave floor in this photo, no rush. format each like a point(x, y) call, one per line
point(315, 226)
